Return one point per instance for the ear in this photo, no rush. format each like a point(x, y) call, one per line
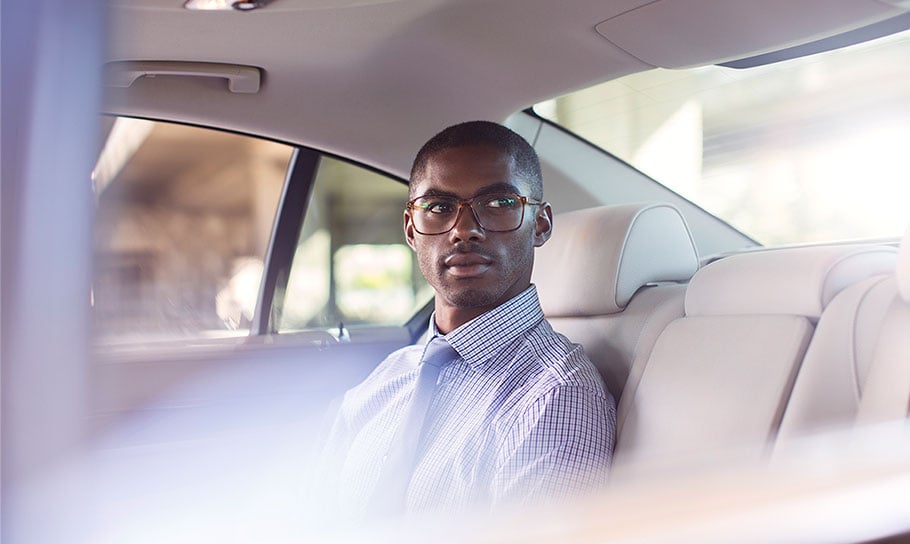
point(409, 230)
point(543, 224)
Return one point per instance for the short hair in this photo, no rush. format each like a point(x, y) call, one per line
point(484, 133)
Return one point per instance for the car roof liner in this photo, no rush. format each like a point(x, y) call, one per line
point(859, 35)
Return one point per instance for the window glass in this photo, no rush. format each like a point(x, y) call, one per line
point(810, 149)
point(352, 264)
point(183, 221)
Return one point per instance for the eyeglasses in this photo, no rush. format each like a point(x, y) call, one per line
point(494, 212)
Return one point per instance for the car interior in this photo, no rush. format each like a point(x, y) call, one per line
point(239, 262)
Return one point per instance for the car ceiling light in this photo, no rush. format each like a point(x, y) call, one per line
point(225, 5)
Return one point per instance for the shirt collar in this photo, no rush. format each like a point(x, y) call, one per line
point(479, 339)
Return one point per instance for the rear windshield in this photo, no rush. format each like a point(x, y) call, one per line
point(806, 150)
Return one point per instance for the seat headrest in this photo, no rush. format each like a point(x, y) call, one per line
point(903, 267)
point(792, 281)
point(599, 257)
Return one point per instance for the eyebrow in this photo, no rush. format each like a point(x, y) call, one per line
point(494, 188)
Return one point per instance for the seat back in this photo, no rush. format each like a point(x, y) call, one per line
point(886, 392)
point(609, 280)
point(720, 377)
point(829, 387)
point(858, 365)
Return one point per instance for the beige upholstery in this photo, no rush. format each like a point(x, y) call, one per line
point(828, 389)
point(619, 344)
point(599, 257)
point(903, 267)
point(886, 392)
point(596, 261)
point(886, 395)
point(854, 360)
point(721, 376)
point(795, 281)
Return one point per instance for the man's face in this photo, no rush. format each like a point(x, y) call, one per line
point(469, 267)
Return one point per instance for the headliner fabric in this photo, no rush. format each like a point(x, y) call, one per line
point(794, 281)
point(599, 257)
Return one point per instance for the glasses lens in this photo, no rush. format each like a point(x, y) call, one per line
point(434, 214)
point(499, 212)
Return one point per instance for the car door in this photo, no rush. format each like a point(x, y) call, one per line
point(220, 255)
point(240, 285)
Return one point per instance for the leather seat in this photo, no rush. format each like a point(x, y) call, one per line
point(720, 377)
point(858, 366)
point(887, 388)
point(610, 279)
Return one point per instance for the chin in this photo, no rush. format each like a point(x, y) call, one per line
point(472, 298)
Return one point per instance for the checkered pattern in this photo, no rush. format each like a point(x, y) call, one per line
point(521, 416)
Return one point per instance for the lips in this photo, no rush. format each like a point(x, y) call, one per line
point(466, 265)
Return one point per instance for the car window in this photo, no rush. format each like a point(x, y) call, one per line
point(183, 220)
point(351, 264)
point(805, 150)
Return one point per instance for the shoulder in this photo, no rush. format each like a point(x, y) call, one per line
point(561, 363)
point(384, 383)
point(396, 363)
point(548, 370)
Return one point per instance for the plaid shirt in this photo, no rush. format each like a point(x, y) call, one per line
point(520, 416)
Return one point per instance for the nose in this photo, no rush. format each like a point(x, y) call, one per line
point(467, 227)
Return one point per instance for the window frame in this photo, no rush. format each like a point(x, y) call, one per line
point(292, 207)
point(299, 185)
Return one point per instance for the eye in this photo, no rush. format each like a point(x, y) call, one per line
point(437, 206)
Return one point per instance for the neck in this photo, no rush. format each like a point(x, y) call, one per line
point(449, 318)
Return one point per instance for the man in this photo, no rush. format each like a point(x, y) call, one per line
point(511, 411)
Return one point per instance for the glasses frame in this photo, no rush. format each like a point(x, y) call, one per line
point(469, 203)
